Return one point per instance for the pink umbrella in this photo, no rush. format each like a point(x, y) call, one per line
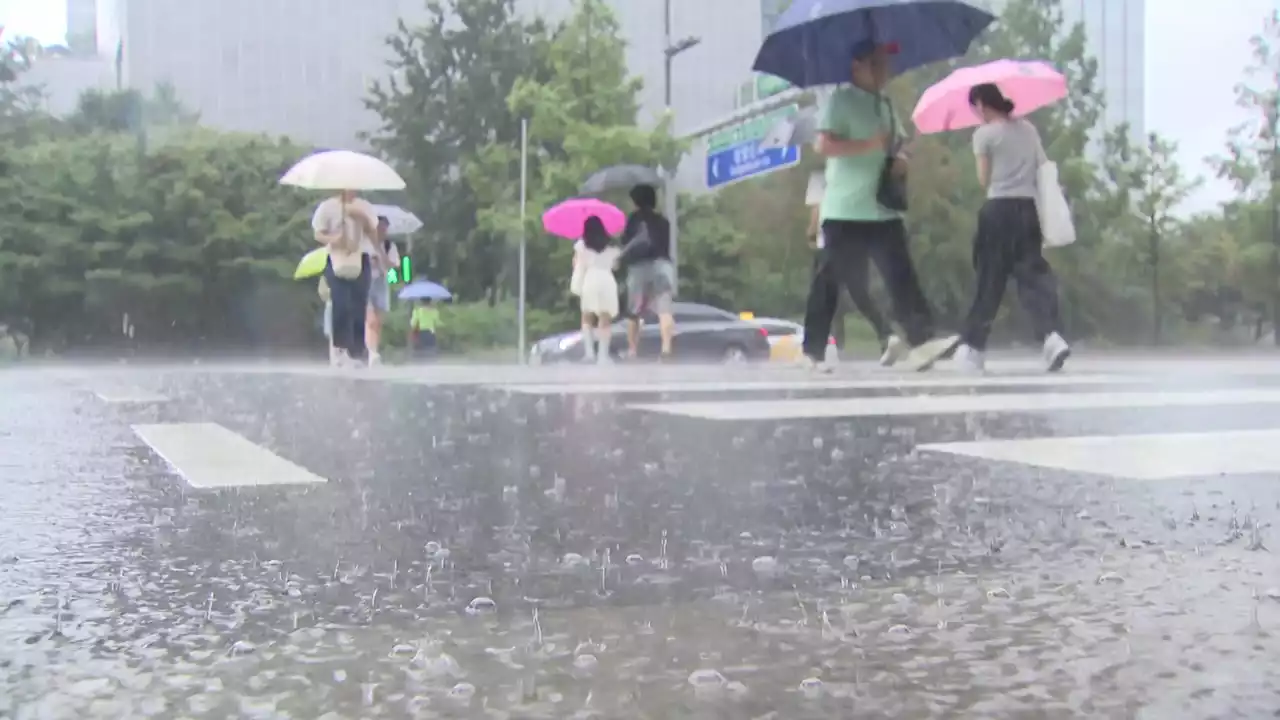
point(1031, 85)
point(567, 219)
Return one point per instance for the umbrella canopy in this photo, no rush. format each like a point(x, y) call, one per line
point(312, 264)
point(424, 290)
point(620, 177)
point(402, 221)
point(567, 219)
point(1031, 85)
point(799, 129)
point(342, 170)
point(814, 41)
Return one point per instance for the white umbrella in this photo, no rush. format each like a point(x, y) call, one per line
point(402, 221)
point(342, 170)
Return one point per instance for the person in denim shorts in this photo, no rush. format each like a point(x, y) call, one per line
point(385, 257)
point(651, 282)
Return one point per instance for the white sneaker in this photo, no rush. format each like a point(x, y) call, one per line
point(894, 350)
point(335, 357)
point(1056, 351)
point(375, 359)
point(971, 361)
point(923, 356)
point(817, 366)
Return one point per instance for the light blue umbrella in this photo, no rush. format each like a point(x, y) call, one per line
point(424, 290)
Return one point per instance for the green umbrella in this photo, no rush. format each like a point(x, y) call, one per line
point(312, 264)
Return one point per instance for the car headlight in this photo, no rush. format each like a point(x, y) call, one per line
point(567, 342)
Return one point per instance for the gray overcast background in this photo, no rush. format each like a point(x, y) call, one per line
point(1196, 52)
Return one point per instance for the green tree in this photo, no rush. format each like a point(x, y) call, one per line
point(1149, 186)
point(581, 117)
point(193, 239)
point(1252, 159)
point(445, 98)
point(21, 117)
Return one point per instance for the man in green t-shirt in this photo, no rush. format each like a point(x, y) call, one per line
point(857, 132)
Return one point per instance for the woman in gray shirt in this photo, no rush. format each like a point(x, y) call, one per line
point(1008, 241)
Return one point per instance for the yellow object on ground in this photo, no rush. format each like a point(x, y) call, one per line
point(785, 349)
point(312, 264)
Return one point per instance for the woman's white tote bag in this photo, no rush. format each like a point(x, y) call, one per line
point(1056, 225)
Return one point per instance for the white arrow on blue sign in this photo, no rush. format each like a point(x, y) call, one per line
point(747, 159)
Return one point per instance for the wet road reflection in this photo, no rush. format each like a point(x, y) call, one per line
point(485, 554)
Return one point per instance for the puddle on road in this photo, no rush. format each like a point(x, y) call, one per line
point(1118, 640)
point(128, 597)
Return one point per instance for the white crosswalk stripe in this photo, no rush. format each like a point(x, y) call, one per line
point(209, 456)
point(129, 396)
point(909, 382)
point(1140, 457)
point(954, 404)
point(1128, 456)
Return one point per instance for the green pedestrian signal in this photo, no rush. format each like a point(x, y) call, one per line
point(406, 271)
point(393, 276)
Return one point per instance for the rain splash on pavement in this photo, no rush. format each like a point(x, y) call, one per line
point(477, 553)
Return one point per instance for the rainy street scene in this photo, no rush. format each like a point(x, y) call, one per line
point(609, 359)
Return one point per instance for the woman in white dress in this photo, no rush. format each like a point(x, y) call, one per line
point(596, 288)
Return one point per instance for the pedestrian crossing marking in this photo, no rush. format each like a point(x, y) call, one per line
point(128, 396)
point(208, 455)
point(710, 386)
point(1139, 457)
point(798, 409)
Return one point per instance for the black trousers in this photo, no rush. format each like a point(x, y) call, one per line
point(842, 302)
point(1008, 244)
point(850, 249)
point(350, 299)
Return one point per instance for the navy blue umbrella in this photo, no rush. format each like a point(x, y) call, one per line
point(814, 41)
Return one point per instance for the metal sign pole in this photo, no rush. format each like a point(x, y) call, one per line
point(524, 194)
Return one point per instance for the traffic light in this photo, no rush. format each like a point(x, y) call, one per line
point(401, 274)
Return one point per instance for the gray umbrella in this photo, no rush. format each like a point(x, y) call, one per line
point(620, 177)
point(799, 129)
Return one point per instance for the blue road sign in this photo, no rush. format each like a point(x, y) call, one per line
point(746, 159)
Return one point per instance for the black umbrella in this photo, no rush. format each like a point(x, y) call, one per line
point(620, 177)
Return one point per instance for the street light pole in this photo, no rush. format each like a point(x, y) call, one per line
point(670, 51)
point(524, 241)
point(1273, 197)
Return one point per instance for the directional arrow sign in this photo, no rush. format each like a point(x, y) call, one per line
point(747, 159)
point(737, 154)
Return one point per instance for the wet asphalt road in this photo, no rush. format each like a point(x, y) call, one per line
point(485, 553)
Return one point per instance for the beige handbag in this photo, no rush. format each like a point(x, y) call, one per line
point(345, 254)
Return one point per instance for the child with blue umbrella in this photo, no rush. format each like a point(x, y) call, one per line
point(424, 322)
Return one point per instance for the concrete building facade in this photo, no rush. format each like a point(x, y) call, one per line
point(302, 67)
point(1116, 33)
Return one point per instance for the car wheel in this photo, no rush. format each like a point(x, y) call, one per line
point(735, 354)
